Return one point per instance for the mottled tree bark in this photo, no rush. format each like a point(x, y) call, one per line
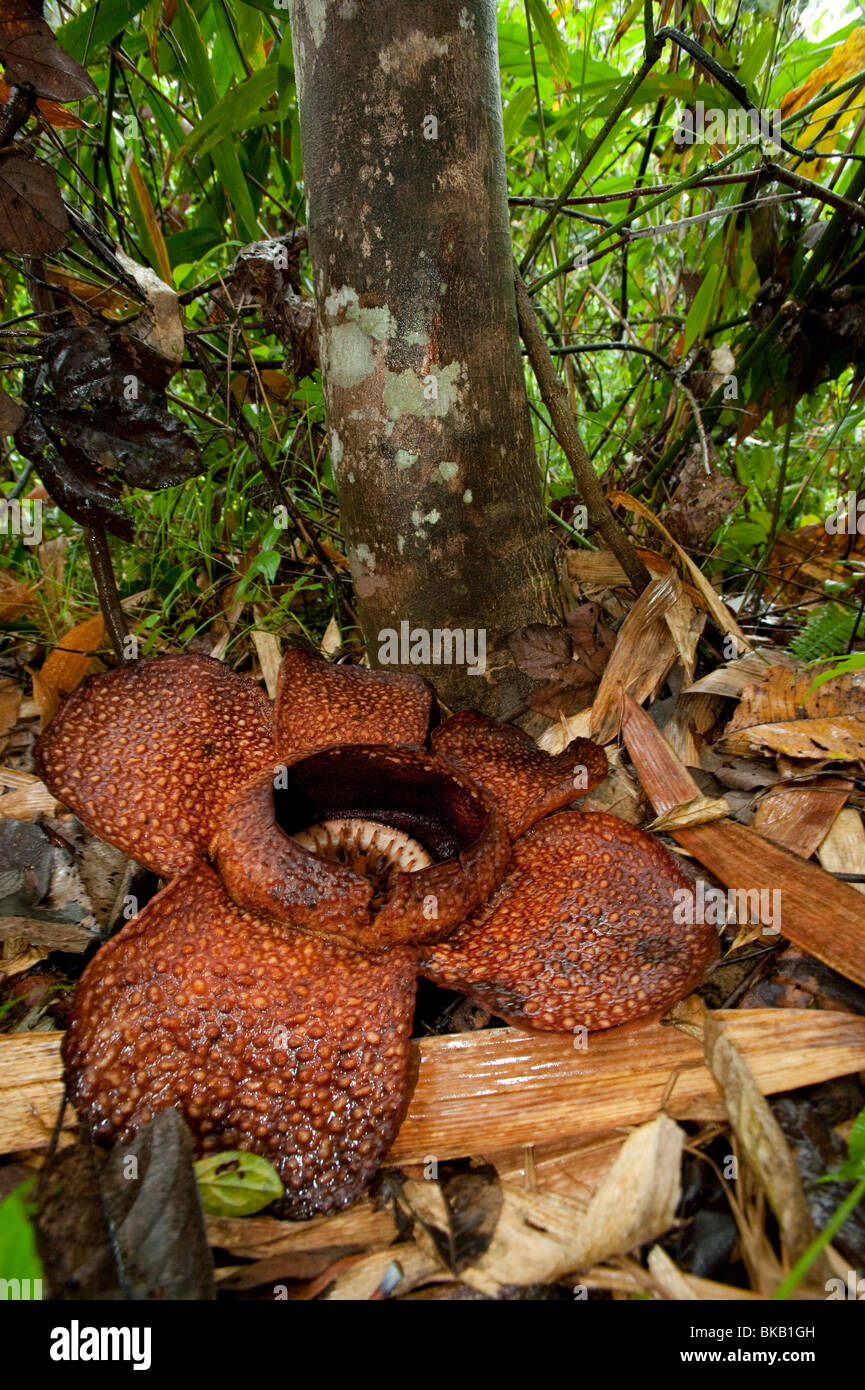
point(439, 487)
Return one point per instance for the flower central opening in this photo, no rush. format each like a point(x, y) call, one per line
point(374, 851)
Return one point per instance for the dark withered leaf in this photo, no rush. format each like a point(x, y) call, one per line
point(701, 501)
point(32, 57)
point(97, 420)
point(473, 1198)
point(33, 219)
point(539, 651)
point(72, 1233)
point(265, 275)
point(297, 327)
point(78, 489)
point(11, 413)
point(128, 1227)
point(151, 1199)
point(572, 686)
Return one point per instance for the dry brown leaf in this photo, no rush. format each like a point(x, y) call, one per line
point(567, 727)
point(719, 610)
point(27, 797)
point(399, 1270)
point(619, 793)
point(10, 708)
point(669, 1278)
point(15, 597)
point(109, 302)
point(782, 714)
point(258, 1237)
point(686, 623)
point(540, 1237)
point(12, 415)
point(51, 111)
point(332, 639)
point(642, 657)
point(819, 913)
point(761, 1139)
point(734, 676)
point(799, 817)
point(160, 323)
point(17, 955)
point(601, 568)
point(811, 554)
point(843, 848)
point(67, 665)
point(690, 724)
point(269, 653)
point(47, 935)
point(33, 217)
point(697, 810)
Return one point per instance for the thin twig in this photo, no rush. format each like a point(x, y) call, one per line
point(106, 587)
point(280, 492)
point(555, 398)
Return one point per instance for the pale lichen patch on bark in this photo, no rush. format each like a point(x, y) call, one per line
point(403, 59)
point(404, 392)
point(317, 14)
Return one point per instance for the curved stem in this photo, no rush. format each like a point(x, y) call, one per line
point(106, 587)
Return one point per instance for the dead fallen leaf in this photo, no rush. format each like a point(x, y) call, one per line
point(26, 796)
point(11, 413)
point(700, 502)
point(33, 219)
point(819, 913)
point(842, 850)
point(721, 614)
point(799, 817)
point(761, 1139)
point(782, 714)
point(540, 1237)
point(160, 323)
point(32, 57)
point(15, 597)
point(642, 657)
point(10, 706)
point(269, 653)
point(67, 665)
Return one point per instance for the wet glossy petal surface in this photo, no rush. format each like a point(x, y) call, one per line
point(264, 1038)
point(318, 703)
point(148, 755)
point(582, 931)
point(526, 782)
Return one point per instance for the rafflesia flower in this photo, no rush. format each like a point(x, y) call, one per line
point(318, 857)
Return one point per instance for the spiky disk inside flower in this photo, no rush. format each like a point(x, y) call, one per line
point(263, 859)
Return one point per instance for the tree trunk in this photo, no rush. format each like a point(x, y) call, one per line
point(439, 487)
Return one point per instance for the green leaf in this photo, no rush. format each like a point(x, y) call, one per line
point(700, 311)
point(19, 1258)
point(236, 1183)
point(756, 54)
point(854, 662)
point(856, 1142)
point(233, 114)
point(545, 26)
point(96, 26)
point(224, 155)
point(515, 113)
